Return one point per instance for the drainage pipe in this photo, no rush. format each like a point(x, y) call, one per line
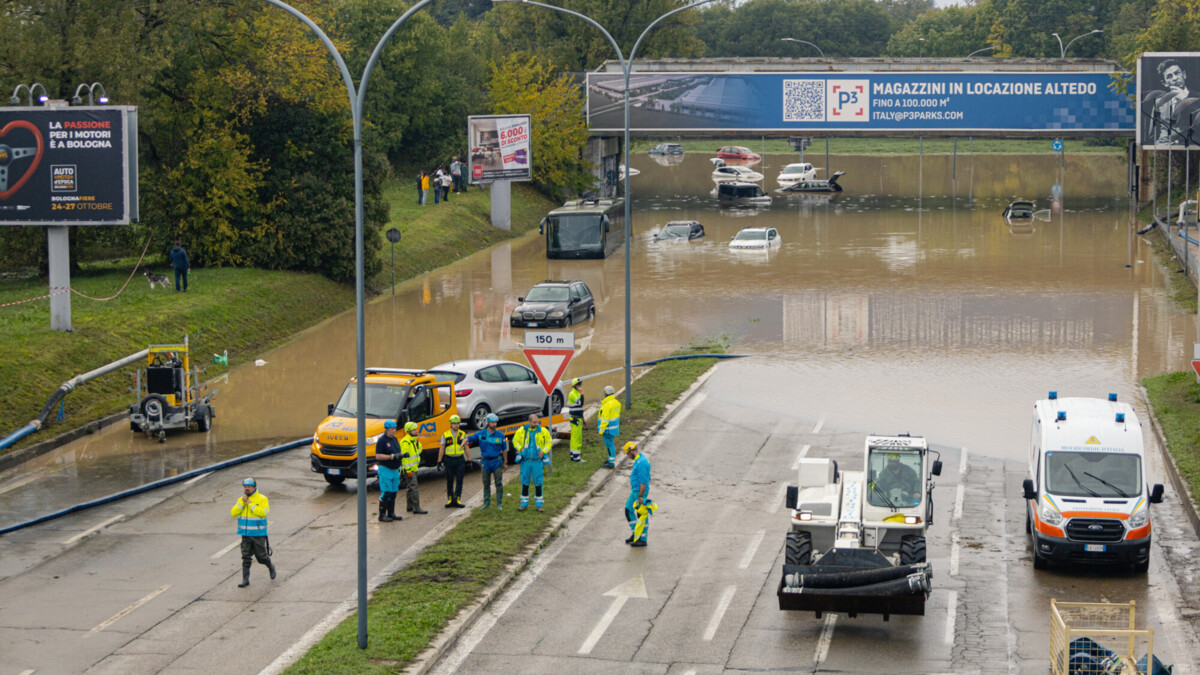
point(187, 475)
point(66, 388)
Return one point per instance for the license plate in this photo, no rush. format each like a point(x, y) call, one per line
point(333, 472)
point(532, 325)
point(1094, 548)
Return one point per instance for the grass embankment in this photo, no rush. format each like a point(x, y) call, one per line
point(882, 146)
point(1179, 286)
point(244, 311)
point(405, 614)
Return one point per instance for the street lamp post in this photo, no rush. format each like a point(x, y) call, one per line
point(804, 42)
point(15, 99)
point(626, 67)
point(985, 49)
point(356, 113)
point(1063, 48)
point(922, 52)
point(77, 99)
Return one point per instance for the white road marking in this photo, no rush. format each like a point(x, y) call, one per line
point(225, 550)
point(22, 482)
point(962, 464)
point(605, 622)
point(688, 672)
point(752, 549)
point(825, 639)
point(31, 671)
point(94, 528)
point(723, 605)
point(774, 507)
point(802, 455)
point(820, 423)
point(197, 479)
point(951, 609)
point(958, 500)
point(125, 612)
point(954, 554)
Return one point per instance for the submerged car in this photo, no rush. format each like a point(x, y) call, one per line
point(737, 152)
point(554, 303)
point(793, 173)
point(508, 389)
point(737, 193)
point(723, 174)
point(667, 149)
point(680, 230)
point(756, 238)
point(816, 184)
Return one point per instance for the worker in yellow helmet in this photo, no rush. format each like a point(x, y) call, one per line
point(410, 447)
point(610, 424)
point(638, 506)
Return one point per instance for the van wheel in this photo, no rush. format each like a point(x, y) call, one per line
point(1028, 522)
point(799, 549)
point(335, 480)
point(479, 416)
point(1142, 567)
point(912, 549)
point(1040, 563)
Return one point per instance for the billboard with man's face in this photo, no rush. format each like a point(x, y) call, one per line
point(499, 148)
point(1169, 100)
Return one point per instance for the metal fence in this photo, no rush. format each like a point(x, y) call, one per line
point(1093, 638)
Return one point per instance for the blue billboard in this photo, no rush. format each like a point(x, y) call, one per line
point(1046, 103)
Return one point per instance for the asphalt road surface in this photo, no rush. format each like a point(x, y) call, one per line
point(701, 597)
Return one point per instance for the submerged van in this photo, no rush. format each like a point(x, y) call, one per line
point(740, 193)
point(1086, 490)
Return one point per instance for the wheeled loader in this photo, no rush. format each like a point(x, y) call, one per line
point(857, 540)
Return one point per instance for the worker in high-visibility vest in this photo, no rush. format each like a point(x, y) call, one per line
point(638, 506)
point(575, 410)
point(531, 443)
point(410, 447)
point(453, 454)
point(610, 424)
point(251, 511)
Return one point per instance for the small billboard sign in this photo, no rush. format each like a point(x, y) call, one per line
point(500, 147)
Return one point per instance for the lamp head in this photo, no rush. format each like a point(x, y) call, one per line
point(43, 98)
point(14, 100)
point(103, 100)
point(76, 100)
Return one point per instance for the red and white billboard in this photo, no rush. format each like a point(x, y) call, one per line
point(499, 148)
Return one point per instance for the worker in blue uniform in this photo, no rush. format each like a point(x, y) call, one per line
point(639, 495)
point(531, 443)
point(493, 455)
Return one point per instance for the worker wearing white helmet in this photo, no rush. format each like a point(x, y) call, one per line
point(575, 410)
point(610, 424)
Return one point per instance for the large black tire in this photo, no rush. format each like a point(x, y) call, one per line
point(556, 403)
point(1028, 522)
point(479, 416)
point(204, 419)
point(1040, 563)
point(154, 408)
point(1142, 567)
point(912, 549)
point(335, 480)
point(799, 549)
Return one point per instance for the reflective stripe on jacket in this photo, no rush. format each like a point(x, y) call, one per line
point(528, 448)
point(252, 515)
point(575, 404)
point(454, 446)
point(610, 415)
point(410, 447)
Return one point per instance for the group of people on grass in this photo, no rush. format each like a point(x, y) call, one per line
point(443, 180)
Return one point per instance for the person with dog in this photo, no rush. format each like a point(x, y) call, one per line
point(388, 457)
point(410, 448)
point(453, 454)
point(251, 511)
point(493, 453)
point(179, 260)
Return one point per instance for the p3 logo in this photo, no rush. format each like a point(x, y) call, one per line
point(848, 100)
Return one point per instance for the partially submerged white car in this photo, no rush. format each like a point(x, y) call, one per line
point(724, 174)
point(793, 173)
point(756, 238)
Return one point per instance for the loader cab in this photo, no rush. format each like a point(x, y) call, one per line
point(895, 477)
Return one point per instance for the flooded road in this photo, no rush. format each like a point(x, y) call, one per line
point(906, 303)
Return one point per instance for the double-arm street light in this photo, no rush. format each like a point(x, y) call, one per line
point(985, 49)
point(804, 42)
point(15, 99)
point(1063, 49)
point(626, 66)
point(77, 99)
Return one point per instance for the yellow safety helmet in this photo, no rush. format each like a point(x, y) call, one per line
point(454, 419)
point(631, 445)
point(410, 426)
point(892, 455)
point(576, 382)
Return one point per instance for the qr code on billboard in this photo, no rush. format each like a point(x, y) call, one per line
point(804, 100)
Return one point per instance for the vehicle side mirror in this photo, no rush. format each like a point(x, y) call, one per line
point(606, 223)
point(1156, 494)
point(937, 467)
point(793, 496)
point(1027, 488)
point(542, 226)
point(520, 298)
point(329, 410)
point(572, 301)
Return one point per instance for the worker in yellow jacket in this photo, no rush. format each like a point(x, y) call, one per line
point(251, 511)
point(410, 448)
point(610, 424)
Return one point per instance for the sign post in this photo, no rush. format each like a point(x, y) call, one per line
point(1196, 359)
point(548, 353)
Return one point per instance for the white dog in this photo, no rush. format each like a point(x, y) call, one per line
point(160, 279)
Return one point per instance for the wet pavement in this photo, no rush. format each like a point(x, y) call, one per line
point(909, 280)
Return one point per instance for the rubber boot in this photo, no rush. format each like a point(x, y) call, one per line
point(271, 569)
point(384, 517)
point(392, 508)
point(245, 576)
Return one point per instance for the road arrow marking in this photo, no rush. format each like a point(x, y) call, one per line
point(634, 588)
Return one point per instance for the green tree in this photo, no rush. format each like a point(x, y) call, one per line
point(842, 28)
point(522, 85)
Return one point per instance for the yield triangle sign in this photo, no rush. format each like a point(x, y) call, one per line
point(549, 364)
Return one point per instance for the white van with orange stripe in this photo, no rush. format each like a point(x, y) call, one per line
point(1088, 499)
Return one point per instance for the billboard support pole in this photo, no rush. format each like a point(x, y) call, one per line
point(58, 250)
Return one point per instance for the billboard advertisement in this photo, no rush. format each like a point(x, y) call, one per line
point(1168, 110)
point(499, 148)
point(1045, 103)
point(68, 166)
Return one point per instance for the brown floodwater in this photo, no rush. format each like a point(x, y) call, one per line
point(906, 302)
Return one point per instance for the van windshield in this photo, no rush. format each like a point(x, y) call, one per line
point(1093, 474)
point(383, 400)
point(573, 232)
